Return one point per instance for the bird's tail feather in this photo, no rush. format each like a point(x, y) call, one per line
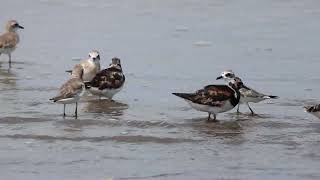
point(271, 97)
point(54, 99)
point(315, 108)
point(183, 95)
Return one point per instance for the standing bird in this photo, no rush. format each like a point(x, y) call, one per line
point(71, 91)
point(10, 39)
point(90, 66)
point(247, 94)
point(214, 99)
point(108, 82)
point(314, 110)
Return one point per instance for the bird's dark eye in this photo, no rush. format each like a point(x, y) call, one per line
point(228, 75)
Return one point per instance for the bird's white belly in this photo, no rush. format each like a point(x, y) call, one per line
point(6, 50)
point(69, 100)
point(215, 110)
point(316, 114)
point(108, 93)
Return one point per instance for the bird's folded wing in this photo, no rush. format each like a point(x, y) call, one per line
point(213, 95)
point(7, 42)
point(69, 89)
point(248, 92)
point(314, 108)
point(108, 79)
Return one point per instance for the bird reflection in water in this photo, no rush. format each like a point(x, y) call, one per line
point(7, 77)
point(207, 129)
point(106, 106)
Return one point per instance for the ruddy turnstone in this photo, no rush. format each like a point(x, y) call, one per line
point(314, 110)
point(109, 81)
point(214, 99)
point(10, 39)
point(247, 94)
point(71, 91)
point(90, 66)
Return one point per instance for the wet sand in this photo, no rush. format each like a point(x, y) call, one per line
point(165, 46)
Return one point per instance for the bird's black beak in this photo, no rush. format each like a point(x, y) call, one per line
point(21, 27)
point(220, 77)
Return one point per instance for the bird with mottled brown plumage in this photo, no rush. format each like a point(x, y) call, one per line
point(214, 99)
point(108, 82)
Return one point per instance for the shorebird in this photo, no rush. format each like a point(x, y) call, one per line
point(71, 91)
point(91, 66)
point(247, 94)
point(314, 110)
point(10, 39)
point(108, 82)
point(214, 99)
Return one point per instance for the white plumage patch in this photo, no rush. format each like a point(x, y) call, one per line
point(210, 109)
point(108, 93)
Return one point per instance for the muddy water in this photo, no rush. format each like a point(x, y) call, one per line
point(165, 46)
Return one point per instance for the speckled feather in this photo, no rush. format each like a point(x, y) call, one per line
point(73, 86)
point(69, 89)
point(212, 95)
point(110, 78)
point(315, 108)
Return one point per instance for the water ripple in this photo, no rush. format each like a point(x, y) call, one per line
point(126, 139)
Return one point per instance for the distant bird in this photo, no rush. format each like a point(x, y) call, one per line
point(214, 99)
point(10, 39)
point(71, 91)
point(314, 110)
point(109, 81)
point(247, 94)
point(91, 66)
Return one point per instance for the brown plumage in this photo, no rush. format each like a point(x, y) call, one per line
point(110, 78)
point(69, 89)
point(73, 86)
point(108, 82)
point(211, 95)
point(214, 99)
point(10, 39)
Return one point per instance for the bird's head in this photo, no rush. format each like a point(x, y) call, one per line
point(13, 26)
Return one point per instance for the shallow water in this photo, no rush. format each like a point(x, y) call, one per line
point(165, 46)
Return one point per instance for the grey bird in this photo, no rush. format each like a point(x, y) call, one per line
point(10, 39)
point(247, 94)
point(72, 90)
point(91, 66)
